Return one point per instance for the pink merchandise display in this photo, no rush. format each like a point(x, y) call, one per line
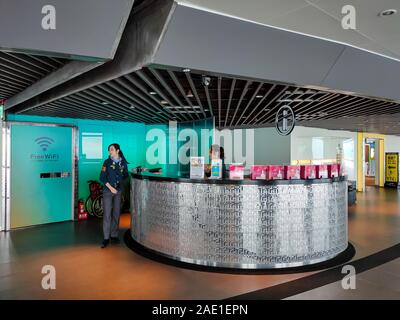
point(308, 172)
point(274, 172)
point(334, 170)
point(236, 172)
point(258, 172)
point(322, 171)
point(291, 172)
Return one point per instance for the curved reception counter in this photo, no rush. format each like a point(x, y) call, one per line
point(248, 224)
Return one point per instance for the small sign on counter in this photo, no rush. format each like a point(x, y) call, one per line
point(196, 167)
point(216, 169)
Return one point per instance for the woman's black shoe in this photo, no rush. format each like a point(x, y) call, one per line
point(115, 240)
point(105, 243)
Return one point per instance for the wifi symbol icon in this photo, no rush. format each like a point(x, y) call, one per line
point(44, 142)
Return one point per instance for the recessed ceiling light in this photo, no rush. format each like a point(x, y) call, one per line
point(259, 96)
point(284, 100)
point(108, 116)
point(186, 70)
point(132, 107)
point(189, 94)
point(206, 110)
point(153, 93)
point(388, 12)
point(164, 102)
point(104, 102)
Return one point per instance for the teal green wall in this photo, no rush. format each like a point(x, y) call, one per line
point(130, 136)
point(162, 152)
point(202, 143)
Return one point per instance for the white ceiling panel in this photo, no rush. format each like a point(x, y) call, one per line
point(320, 18)
point(382, 30)
point(306, 19)
point(259, 11)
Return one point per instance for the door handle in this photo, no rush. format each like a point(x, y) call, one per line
point(45, 175)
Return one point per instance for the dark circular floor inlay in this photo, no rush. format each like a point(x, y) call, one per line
point(340, 259)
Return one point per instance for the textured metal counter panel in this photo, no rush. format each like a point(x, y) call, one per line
point(241, 226)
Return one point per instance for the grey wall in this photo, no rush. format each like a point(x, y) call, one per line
point(270, 147)
point(264, 146)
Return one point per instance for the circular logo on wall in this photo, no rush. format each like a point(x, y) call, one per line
point(285, 120)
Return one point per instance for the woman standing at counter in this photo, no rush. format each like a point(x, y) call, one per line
point(113, 172)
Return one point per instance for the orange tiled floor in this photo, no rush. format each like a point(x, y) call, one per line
point(84, 271)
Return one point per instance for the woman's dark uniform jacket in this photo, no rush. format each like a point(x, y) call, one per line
point(114, 173)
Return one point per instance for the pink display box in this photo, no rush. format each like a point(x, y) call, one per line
point(291, 172)
point(334, 170)
point(258, 172)
point(236, 172)
point(308, 172)
point(322, 171)
point(275, 172)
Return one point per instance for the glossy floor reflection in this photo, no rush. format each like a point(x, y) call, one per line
point(84, 271)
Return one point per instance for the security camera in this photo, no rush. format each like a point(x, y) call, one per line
point(205, 81)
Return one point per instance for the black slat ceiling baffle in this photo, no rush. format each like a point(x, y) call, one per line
point(158, 95)
point(19, 71)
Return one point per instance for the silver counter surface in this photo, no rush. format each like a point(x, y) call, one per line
point(240, 224)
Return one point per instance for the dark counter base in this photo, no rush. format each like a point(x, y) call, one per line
point(340, 259)
point(157, 177)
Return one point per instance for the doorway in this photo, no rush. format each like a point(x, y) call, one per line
point(370, 161)
point(370, 172)
point(39, 174)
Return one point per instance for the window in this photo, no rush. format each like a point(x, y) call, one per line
point(92, 146)
point(317, 148)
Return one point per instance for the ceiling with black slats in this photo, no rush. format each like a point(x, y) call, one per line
point(159, 95)
point(19, 71)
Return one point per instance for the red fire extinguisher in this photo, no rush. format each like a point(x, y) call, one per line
point(82, 214)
